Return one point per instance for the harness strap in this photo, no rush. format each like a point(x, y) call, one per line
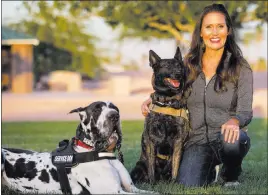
point(169, 111)
point(93, 156)
point(65, 157)
point(164, 157)
point(78, 158)
point(63, 179)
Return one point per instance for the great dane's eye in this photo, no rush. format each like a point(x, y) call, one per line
point(97, 109)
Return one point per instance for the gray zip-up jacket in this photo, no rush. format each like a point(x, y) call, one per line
point(209, 110)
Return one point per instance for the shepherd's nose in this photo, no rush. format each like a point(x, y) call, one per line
point(114, 116)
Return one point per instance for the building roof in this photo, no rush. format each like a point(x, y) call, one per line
point(11, 37)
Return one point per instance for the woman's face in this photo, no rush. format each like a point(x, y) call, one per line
point(214, 30)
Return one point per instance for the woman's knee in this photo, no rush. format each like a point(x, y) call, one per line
point(190, 178)
point(197, 162)
point(240, 147)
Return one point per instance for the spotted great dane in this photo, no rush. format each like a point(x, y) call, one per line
point(99, 131)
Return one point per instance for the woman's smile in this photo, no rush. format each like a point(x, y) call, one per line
point(215, 40)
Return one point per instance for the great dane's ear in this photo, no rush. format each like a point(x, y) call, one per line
point(153, 58)
point(81, 111)
point(77, 110)
point(178, 54)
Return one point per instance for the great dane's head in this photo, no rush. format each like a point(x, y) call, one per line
point(169, 74)
point(99, 124)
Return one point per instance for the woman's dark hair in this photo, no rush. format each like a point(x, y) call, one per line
point(193, 59)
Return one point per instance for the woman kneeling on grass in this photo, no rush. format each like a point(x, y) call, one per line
point(220, 103)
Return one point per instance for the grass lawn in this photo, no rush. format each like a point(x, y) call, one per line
point(44, 136)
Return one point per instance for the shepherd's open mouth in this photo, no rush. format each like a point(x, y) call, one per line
point(172, 82)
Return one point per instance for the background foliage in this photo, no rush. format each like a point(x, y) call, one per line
point(56, 24)
point(65, 24)
point(166, 19)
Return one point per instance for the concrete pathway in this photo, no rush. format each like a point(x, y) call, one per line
point(54, 106)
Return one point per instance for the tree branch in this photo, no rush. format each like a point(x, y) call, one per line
point(184, 27)
point(166, 27)
point(152, 18)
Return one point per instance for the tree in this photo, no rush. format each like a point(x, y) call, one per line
point(62, 23)
point(167, 19)
point(60, 26)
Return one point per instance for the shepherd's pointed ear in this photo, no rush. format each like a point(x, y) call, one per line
point(153, 58)
point(178, 54)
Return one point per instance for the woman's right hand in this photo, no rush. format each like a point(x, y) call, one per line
point(145, 107)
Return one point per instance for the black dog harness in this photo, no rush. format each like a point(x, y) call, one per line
point(65, 157)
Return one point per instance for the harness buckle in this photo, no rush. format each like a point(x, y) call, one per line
point(160, 103)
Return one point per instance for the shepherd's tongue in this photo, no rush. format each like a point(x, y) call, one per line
point(175, 83)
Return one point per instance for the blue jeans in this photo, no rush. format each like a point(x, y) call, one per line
point(198, 161)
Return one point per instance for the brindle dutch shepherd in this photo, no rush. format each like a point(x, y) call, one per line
point(166, 126)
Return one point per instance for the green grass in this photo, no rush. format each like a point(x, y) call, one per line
point(44, 136)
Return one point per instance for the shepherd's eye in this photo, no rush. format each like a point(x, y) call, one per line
point(177, 75)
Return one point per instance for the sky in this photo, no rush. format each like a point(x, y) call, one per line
point(133, 49)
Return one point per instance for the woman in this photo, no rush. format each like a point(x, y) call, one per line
point(220, 103)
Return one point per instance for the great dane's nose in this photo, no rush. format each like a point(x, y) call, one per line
point(113, 116)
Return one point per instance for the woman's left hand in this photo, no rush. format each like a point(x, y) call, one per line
point(230, 130)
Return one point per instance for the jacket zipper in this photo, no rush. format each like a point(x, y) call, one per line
point(205, 107)
point(205, 114)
